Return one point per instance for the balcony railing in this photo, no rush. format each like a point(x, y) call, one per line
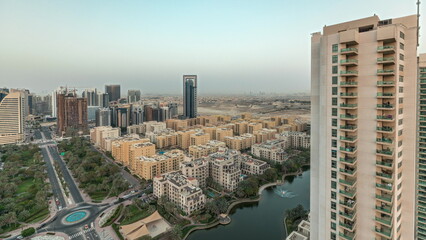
point(345, 61)
point(348, 149)
point(348, 171)
point(385, 129)
point(384, 152)
point(384, 140)
point(384, 186)
point(385, 71)
point(348, 72)
point(347, 236)
point(384, 197)
point(348, 127)
point(348, 182)
point(384, 164)
point(385, 106)
point(345, 105)
point(385, 220)
point(384, 175)
point(386, 59)
point(351, 139)
point(345, 50)
point(384, 232)
point(348, 160)
point(382, 94)
point(384, 209)
point(348, 116)
point(348, 83)
point(347, 226)
point(351, 94)
point(385, 83)
point(386, 117)
point(349, 203)
point(381, 48)
point(350, 193)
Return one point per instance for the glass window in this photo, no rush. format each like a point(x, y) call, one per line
point(333, 143)
point(401, 45)
point(401, 67)
point(401, 100)
point(333, 185)
point(334, 90)
point(333, 174)
point(334, 80)
point(334, 132)
point(334, 101)
point(333, 153)
point(401, 56)
point(333, 164)
point(334, 122)
point(402, 35)
point(334, 59)
point(401, 78)
point(334, 112)
point(335, 48)
point(401, 89)
point(334, 69)
point(333, 195)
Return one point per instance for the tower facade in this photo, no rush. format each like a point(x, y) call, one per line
point(12, 118)
point(190, 96)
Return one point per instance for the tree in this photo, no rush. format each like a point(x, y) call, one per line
point(28, 232)
point(270, 175)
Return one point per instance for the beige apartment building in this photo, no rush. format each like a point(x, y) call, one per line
point(198, 169)
point(222, 133)
point(198, 151)
point(12, 118)
point(244, 141)
point(149, 167)
point(254, 126)
point(120, 148)
point(363, 143)
point(181, 190)
point(264, 135)
point(137, 150)
point(184, 138)
point(99, 134)
point(177, 124)
point(241, 127)
point(251, 166)
point(199, 138)
point(271, 150)
point(224, 168)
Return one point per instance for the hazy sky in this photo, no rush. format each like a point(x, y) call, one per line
point(233, 46)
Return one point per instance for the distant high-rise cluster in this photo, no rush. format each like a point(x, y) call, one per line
point(190, 96)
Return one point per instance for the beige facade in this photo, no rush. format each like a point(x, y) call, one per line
point(199, 139)
point(120, 148)
point(255, 126)
point(184, 138)
point(271, 150)
point(251, 166)
point(138, 150)
point(12, 118)
point(264, 135)
point(198, 169)
point(238, 143)
point(180, 190)
point(363, 96)
point(212, 146)
point(224, 169)
point(177, 124)
point(99, 134)
point(149, 167)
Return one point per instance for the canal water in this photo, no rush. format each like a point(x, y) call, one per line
point(262, 220)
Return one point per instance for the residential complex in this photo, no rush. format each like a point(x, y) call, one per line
point(147, 167)
point(180, 190)
point(271, 150)
point(242, 142)
point(363, 95)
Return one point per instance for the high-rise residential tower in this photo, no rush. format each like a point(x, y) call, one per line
point(133, 96)
point(190, 96)
point(103, 117)
point(92, 97)
point(421, 162)
point(71, 113)
point(12, 118)
point(113, 91)
point(363, 95)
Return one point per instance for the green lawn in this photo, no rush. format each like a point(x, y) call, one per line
point(135, 214)
point(38, 216)
point(25, 185)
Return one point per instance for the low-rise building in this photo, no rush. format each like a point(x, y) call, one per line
point(198, 151)
point(224, 169)
point(199, 138)
point(222, 133)
point(138, 150)
point(98, 134)
point(297, 139)
point(271, 150)
point(198, 169)
point(181, 190)
point(264, 135)
point(251, 166)
point(149, 167)
point(121, 148)
point(238, 143)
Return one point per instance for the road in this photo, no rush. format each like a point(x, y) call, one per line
point(56, 188)
point(75, 192)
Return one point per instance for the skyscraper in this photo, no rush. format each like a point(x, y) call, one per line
point(71, 113)
point(92, 97)
point(421, 162)
point(12, 118)
point(363, 141)
point(190, 96)
point(133, 96)
point(103, 100)
point(113, 91)
point(60, 90)
point(103, 117)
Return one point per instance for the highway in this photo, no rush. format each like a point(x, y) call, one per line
point(75, 192)
point(56, 188)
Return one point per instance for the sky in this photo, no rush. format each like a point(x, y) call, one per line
point(234, 46)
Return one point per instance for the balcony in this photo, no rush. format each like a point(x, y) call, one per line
point(348, 193)
point(348, 226)
point(348, 84)
point(386, 209)
point(349, 62)
point(348, 73)
point(349, 183)
point(385, 72)
point(386, 60)
point(385, 106)
point(349, 95)
point(385, 118)
point(422, 76)
point(385, 187)
point(384, 164)
point(385, 95)
point(349, 51)
point(386, 83)
point(384, 140)
point(348, 128)
point(348, 106)
point(384, 176)
point(347, 235)
point(348, 215)
point(386, 49)
point(348, 117)
point(385, 129)
point(385, 233)
point(385, 220)
point(348, 160)
point(350, 204)
point(349, 139)
point(384, 197)
point(348, 172)
point(348, 149)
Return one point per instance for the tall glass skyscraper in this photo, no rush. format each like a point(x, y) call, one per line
point(190, 96)
point(114, 92)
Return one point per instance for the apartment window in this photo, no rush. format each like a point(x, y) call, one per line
point(334, 90)
point(399, 143)
point(335, 48)
point(334, 112)
point(333, 225)
point(333, 195)
point(401, 67)
point(333, 185)
point(399, 186)
point(402, 35)
point(334, 122)
point(400, 132)
point(334, 59)
point(401, 89)
point(401, 46)
point(400, 121)
point(334, 80)
point(334, 132)
point(401, 57)
point(400, 154)
point(401, 78)
point(333, 236)
point(400, 110)
point(400, 164)
point(333, 164)
point(334, 69)
point(333, 153)
point(333, 174)
point(333, 143)
point(333, 214)
point(401, 100)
